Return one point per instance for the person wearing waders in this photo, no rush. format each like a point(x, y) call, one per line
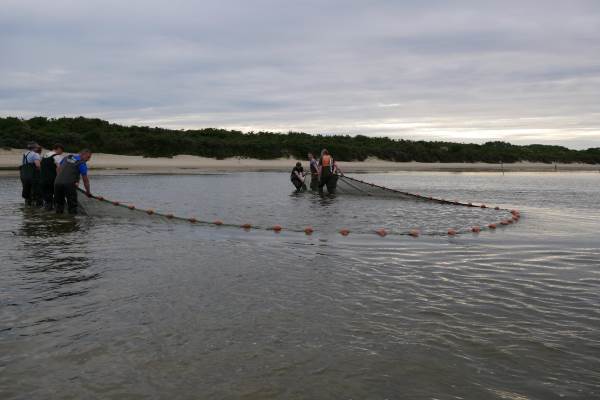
point(65, 185)
point(49, 165)
point(327, 172)
point(297, 177)
point(30, 173)
point(314, 172)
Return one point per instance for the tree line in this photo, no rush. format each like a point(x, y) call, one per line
point(105, 137)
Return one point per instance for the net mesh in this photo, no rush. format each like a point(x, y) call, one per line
point(346, 185)
point(99, 206)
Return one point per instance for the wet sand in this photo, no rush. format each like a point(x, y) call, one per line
point(187, 164)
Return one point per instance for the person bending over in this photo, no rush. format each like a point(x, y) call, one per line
point(297, 177)
point(70, 170)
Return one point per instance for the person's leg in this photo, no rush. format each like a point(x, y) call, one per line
point(26, 193)
point(314, 182)
point(59, 198)
point(36, 189)
point(71, 194)
point(47, 189)
point(332, 184)
point(297, 184)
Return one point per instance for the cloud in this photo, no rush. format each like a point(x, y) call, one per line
point(524, 71)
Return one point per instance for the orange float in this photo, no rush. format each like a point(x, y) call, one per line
point(451, 232)
point(116, 203)
point(475, 229)
point(218, 222)
point(151, 211)
point(277, 228)
point(246, 226)
point(131, 207)
point(344, 232)
point(381, 232)
point(492, 226)
point(308, 230)
point(192, 220)
point(414, 233)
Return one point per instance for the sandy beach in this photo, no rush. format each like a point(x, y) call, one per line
point(109, 164)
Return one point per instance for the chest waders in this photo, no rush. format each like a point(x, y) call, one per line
point(64, 185)
point(30, 177)
point(328, 178)
point(47, 177)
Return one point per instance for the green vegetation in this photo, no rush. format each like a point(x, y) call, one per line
point(102, 136)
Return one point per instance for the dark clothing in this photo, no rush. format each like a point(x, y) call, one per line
point(30, 180)
point(27, 192)
point(66, 191)
point(314, 174)
point(314, 182)
point(71, 168)
point(314, 166)
point(48, 194)
point(47, 177)
point(328, 178)
point(296, 180)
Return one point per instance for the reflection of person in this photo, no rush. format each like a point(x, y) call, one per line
point(70, 170)
point(30, 173)
point(297, 177)
point(49, 165)
point(314, 172)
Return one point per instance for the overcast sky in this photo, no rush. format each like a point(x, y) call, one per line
point(521, 71)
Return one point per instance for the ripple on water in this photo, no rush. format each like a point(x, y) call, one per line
point(120, 308)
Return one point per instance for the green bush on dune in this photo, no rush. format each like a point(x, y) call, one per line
point(104, 137)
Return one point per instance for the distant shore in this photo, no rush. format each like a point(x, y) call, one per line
point(112, 164)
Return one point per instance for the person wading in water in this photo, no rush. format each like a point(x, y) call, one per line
point(49, 165)
point(314, 172)
point(30, 174)
point(297, 177)
point(328, 170)
point(65, 186)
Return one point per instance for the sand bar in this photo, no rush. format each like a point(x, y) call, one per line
point(109, 164)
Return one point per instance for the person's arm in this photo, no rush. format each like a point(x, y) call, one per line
point(37, 161)
point(86, 185)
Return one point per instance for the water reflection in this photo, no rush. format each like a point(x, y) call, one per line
point(54, 253)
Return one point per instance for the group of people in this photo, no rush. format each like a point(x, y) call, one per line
point(324, 172)
point(52, 179)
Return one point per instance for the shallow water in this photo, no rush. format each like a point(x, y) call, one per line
point(134, 308)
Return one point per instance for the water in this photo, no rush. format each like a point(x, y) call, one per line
point(134, 308)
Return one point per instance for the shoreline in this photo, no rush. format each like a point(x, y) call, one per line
point(111, 164)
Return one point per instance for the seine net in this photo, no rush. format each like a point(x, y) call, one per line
point(353, 186)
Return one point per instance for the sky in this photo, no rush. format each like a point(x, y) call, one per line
point(465, 71)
